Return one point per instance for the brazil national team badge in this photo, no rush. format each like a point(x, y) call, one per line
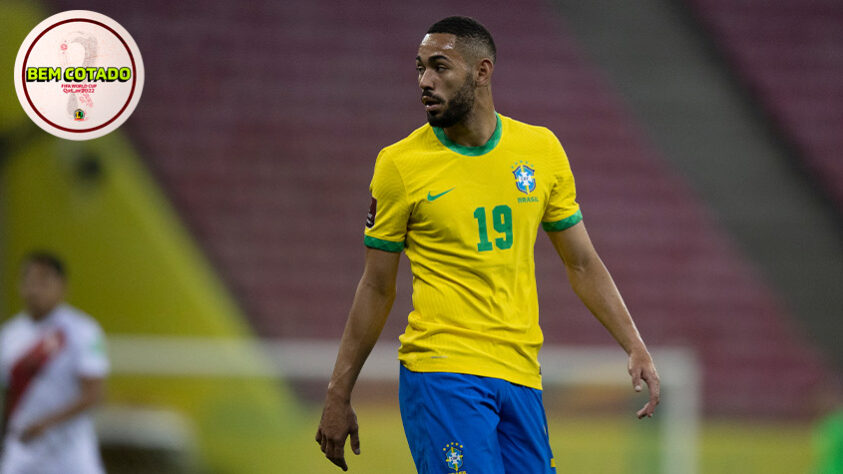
point(79, 75)
point(453, 457)
point(525, 179)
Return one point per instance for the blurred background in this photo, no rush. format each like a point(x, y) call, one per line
point(217, 235)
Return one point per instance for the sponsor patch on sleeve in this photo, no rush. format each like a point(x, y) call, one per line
point(373, 210)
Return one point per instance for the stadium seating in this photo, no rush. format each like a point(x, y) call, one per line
point(263, 123)
point(790, 54)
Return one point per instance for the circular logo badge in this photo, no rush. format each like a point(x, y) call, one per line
point(79, 75)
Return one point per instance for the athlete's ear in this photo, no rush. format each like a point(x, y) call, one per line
point(483, 72)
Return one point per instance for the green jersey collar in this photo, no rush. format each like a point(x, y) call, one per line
point(471, 150)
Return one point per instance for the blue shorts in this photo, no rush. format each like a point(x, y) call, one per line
point(458, 423)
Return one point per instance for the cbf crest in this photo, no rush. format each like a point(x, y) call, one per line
point(525, 177)
point(453, 457)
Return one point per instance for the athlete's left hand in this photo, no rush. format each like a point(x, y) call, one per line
point(641, 368)
point(34, 431)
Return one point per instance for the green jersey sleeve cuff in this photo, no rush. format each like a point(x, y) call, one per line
point(379, 244)
point(564, 223)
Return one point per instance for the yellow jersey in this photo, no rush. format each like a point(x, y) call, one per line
point(467, 218)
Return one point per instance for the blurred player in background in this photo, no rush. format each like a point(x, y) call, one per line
point(464, 195)
point(53, 365)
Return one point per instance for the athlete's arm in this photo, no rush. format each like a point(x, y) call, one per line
point(91, 392)
point(372, 302)
point(592, 283)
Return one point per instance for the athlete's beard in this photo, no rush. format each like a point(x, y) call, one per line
point(457, 108)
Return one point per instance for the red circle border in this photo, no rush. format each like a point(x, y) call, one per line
point(131, 92)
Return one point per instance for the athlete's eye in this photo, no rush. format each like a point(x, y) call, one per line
point(420, 69)
point(441, 68)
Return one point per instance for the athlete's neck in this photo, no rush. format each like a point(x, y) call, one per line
point(40, 314)
point(477, 127)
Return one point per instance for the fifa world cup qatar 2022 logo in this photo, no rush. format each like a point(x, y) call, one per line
point(79, 75)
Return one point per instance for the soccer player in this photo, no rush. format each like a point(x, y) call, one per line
point(464, 196)
point(52, 365)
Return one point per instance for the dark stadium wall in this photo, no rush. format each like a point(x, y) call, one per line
point(670, 69)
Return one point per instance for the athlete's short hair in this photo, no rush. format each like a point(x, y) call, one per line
point(470, 32)
point(47, 259)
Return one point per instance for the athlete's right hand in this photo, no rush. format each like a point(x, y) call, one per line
point(338, 422)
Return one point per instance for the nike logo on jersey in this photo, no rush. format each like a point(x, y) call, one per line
point(433, 197)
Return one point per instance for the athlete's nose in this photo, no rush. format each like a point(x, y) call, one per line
point(426, 80)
